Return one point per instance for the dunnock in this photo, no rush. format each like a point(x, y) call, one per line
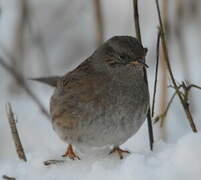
point(103, 101)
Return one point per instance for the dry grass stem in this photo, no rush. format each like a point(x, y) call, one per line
point(156, 73)
point(166, 58)
point(15, 135)
point(162, 116)
point(185, 95)
point(138, 35)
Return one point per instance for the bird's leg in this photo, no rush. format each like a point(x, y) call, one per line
point(119, 151)
point(70, 153)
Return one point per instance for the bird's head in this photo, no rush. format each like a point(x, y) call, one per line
point(125, 50)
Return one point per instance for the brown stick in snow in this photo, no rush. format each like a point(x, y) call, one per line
point(8, 177)
point(15, 135)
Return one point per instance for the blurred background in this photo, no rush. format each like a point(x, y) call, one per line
point(46, 37)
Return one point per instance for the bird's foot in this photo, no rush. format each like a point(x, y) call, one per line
point(70, 153)
point(119, 151)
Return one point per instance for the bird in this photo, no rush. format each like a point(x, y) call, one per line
point(104, 100)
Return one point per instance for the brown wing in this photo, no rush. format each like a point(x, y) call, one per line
point(84, 79)
point(78, 87)
point(83, 71)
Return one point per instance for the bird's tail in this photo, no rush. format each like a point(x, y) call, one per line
point(51, 81)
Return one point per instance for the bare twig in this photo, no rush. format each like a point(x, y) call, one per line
point(185, 96)
point(20, 80)
point(138, 34)
point(195, 86)
point(8, 177)
point(156, 73)
point(163, 115)
point(136, 19)
point(15, 135)
point(186, 89)
point(99, 22)
point(166, 58)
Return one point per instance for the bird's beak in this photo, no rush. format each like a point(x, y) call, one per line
point(139, 62)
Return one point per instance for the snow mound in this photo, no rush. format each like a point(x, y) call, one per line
point(167, 162)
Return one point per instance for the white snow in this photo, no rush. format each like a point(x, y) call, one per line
point(180, 160)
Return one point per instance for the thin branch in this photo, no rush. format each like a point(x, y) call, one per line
point(195, 86)
point(185, 96)
point(138, 34)
point(15, 135)
point(20, 80)
point(163, 115)
point(99, 22)
point(136, 18)
point(166, 57)
point(156, 73)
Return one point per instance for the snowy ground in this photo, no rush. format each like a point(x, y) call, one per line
point(168, 161)
point(176, 158)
